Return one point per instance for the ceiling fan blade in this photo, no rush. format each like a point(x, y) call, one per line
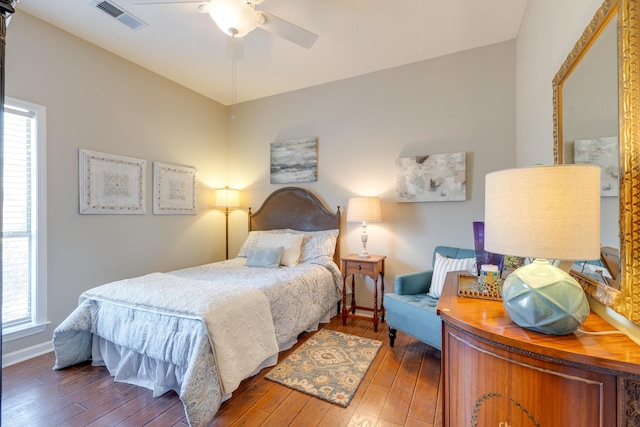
point(286, 30)
point(165, 1)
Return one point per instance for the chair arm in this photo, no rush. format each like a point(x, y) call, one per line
point(413, 283)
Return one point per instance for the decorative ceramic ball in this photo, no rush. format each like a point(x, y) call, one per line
point(545, 299)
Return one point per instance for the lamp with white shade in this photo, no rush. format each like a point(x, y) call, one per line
point(364, 209)
point(546, 213)
point(227, 198)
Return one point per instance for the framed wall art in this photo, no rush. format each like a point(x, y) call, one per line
point(111, 184)
point(174, 189)
point(294, 161)
point(432, 178)
point(602, 152)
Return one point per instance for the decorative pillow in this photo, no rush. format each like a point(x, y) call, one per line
point(264, 257)
point(444, 265)
point(292, 244)
point(318, 244)
point(249, 243)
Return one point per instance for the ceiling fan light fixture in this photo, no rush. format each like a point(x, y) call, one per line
point(233, 17)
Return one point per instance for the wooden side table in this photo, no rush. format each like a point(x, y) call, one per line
point(372, 267)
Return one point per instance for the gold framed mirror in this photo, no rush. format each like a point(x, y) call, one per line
point(617, 20)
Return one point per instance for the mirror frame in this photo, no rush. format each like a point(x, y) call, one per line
point(625, 301)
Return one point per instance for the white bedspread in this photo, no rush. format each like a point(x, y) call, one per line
point(157, 324)
point(238, 319)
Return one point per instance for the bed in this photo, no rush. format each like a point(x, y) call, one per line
point(200, 331)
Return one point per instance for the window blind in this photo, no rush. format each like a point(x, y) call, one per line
point(18, 254)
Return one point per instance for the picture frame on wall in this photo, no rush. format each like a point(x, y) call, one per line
point(294, 161)
point(432, 178)
point(111, 184)
point(174, 189)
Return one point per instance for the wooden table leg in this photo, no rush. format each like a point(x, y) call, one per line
point(375, 305)
point(344, 300)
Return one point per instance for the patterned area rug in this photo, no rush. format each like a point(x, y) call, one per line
point(330, 366)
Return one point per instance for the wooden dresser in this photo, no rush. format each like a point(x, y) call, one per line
point(496, 373)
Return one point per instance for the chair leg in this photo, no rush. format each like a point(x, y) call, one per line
point(392, 336)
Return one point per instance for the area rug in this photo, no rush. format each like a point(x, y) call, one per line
point(330, 365)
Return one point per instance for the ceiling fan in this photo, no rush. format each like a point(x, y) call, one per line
point(237, 18)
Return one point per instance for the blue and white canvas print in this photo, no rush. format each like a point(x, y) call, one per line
point(294, 161)
point(432, 178)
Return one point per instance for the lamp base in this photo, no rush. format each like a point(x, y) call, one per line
point(545, 299)
point(364, 254)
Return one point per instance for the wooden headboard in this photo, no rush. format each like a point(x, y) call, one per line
point(295, 208)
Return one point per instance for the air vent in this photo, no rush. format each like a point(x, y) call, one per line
point(120, 14)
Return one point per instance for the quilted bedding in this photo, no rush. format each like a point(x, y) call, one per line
point(181, 330)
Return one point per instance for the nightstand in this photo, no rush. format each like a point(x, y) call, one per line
point(372, 267)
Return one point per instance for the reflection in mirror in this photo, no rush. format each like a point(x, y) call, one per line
point(596, 101)
point(590, 123)
point(590, 135)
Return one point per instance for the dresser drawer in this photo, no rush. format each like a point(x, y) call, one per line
point(353, 267)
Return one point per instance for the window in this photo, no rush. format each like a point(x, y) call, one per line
point(23, 227)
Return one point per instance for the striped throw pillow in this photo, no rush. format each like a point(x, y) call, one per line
point(444, 265)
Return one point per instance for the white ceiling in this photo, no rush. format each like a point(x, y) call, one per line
point(355, 37)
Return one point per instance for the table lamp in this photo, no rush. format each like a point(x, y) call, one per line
point(546, 213)
point(227, 198)
point(364, 209)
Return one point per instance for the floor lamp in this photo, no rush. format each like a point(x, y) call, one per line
point(227, 198)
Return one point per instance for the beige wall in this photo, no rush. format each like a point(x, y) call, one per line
point(461, 102)
point(548, 32)
point(98, 101)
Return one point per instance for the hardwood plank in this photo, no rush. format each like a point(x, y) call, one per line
point(231, 411)
point(386, 373)
point(289, 410)
point(173, 416)
point(152, 411)
point(412, 422)
point(312, 412)
point(274, 398)
point(373, 400)
point(396, 409)
point(253, 417)
point(104, 408)
point(125, 410)
point(427, 390)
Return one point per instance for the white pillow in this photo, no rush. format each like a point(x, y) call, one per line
point(444, 265)
point(292, 244)
point(249, 243)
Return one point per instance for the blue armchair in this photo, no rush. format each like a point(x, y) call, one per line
point(409, 308)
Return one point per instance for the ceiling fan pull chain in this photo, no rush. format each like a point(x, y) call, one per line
point(234, 79)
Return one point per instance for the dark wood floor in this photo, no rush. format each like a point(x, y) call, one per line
point(400, 389)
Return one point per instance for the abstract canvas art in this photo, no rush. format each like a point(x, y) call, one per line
point(294, 161)
point(174, 189)
point(111, 184)
point(431, 178)
point(602, 152)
